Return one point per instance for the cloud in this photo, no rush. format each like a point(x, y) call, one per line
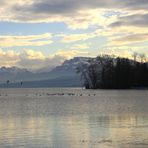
point(71, 53)
point(125, 51)
point(32, 55)
point(30, 59)
point(76, 37)
point(80, 46)
point(8, 58)
point(72, 6)
point(75, 13)
point(28, 40)
point(35, 60)
point(121, 31)
point(139, 20)
point(129, 39)
point(123, 35)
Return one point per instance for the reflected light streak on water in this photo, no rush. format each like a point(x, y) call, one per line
point(110, 119)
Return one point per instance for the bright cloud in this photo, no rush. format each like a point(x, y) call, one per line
point(8, 58)
point(30, 59)
point(77, 37)
point(80, 46)
point(71, 53)
point(28, 40)
point(129, 39)
point(35, 60)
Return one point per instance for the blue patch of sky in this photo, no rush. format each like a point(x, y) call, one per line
point(91, 29)
point(112, 13)
point(97, 44)
point(9, 28)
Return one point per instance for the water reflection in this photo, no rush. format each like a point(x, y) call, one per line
point(75, 131)
point(111, 119)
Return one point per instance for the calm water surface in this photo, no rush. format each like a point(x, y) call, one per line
point(73, 118)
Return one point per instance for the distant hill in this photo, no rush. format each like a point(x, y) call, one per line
point(61, 76)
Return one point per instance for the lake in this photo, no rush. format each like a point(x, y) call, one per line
point(73, 118)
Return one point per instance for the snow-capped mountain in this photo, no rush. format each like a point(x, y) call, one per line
point(68, 68)
point(65, 71)
point(13, 70)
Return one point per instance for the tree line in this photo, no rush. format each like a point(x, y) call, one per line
point(110, 72)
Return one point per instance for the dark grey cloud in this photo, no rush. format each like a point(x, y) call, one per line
point(71, 6)
point(130, 39)
point(139, 20)
point(136, 4)
point(2, 1)
point(52, 7)
point(134, 37)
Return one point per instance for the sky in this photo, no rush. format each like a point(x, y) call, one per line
point(36, 34)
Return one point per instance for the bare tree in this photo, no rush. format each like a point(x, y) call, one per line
point(142, 57)
point(135, 55)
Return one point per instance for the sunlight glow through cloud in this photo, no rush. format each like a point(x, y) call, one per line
point(70, 25)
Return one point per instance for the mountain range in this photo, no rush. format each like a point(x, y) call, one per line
point(61, 76)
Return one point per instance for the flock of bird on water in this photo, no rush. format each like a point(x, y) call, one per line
point(54, 94)
point(57, 94)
